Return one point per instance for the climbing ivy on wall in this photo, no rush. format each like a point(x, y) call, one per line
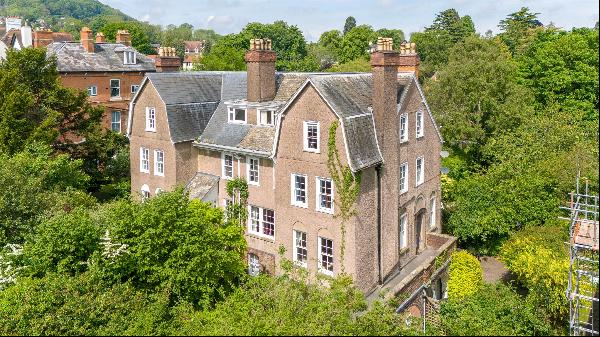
point(237, 189)
point(347, 184)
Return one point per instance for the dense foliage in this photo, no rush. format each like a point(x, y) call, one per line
point(465, 276)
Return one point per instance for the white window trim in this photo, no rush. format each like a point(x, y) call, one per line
point(93, 92)
point(248, 159)
point(419, 117)
point(158, 190)
point(422, 180)
point(305, 136)
point(402, 191)
point(125, 53)
point(156, 172)
point(293, 190)
point(223, 154)
point(142, 150)
point(259, 122)
point(318, 196)
point(251, 265)
point(295, 252)
point(432, 212)
point(146, 189)
point(111, 87)
point(405, 124)
point(320, 257)
point(403, 235)
point(234, 121)
point(148, 127)
point(112, 122)
point(260, 233)
point(136, 86)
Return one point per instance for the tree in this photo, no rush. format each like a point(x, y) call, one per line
point(355, 43)
point(332, 42)
point(139, 37)
point(350, 24)
point(458, 28)
point(516, 27)
point(465, 276)
point(397, 36)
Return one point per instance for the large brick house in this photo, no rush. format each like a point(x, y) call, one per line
point(110, 72)
point(201, 129)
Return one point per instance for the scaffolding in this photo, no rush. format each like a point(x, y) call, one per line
point(582, 291)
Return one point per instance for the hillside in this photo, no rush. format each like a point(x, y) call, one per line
point(68, 15)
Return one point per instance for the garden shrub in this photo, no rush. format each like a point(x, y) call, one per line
point(465, 275)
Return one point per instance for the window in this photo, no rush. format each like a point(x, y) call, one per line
point(150, 119)
point(432, 212)
point(300, 250)
point(134, 88)
point(93, 90)
point(158, 191)
point(311, 136)
point(420, 171)
point(403, 233)
point(404, 128)
point(129, 57)
point(227, 166)
point(325, 256)
point(404, 177)
point(145, 192)
point(253, 265)
point(419, 123)
point(253, 165)
point(265, 117)
point(299, 190)
point(116, 121)
point(324, 195)
point(115, 88)
point(144, 160)
point(261, 221)
point(159, 163)
point(237, 115)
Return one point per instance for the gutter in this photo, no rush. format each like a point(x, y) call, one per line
point(379, 276)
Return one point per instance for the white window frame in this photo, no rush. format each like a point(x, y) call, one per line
point(158, 191)
point(92, 90)
point(231, 115)
point(129, 57)
point(253, 264)
point(419, 127)
point(432, 212)
point(249, 169)
point(404, 128)
point(293, 190)
point(259, 117)
point(305, 136)
point(419, 173)
point(145, 192)
point(295, 235)
point(320, 260)
point(260, 221)
point(112, 121)
point(404, 178)
point(157, 164)
point(318, 195)
point(145, 153)
point(223, 155)
point(150, 119)
point(118, 87)
point(403, 232)
point(135, 88)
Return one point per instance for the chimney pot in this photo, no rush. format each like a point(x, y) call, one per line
point(100, 38)
point(123, 37)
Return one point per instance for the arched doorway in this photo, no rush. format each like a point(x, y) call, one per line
point(419, 229)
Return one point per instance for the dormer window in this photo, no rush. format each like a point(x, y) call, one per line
point(129, 57)
point(237, 115)
point(265, 117)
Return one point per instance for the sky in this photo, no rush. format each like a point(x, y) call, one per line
point(314, 17)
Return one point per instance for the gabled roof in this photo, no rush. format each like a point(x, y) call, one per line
point(107, 57)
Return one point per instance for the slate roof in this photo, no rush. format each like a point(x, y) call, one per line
point(107, 57)
point(200, 185)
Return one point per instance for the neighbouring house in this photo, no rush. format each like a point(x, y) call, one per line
point(201, 129)
point(193, 50)
point(111, 73)
point(15, 35)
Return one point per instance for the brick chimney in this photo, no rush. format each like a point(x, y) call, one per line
point(100, 38)
point(124, 38)
point(260, 62)
point(167, 60)
point(87, 39)
point(42, 38)
point(409, 59)
point(385, 63)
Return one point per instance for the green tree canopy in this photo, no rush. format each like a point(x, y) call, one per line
point(139, 37)
point(349, 24)
point(355, 43)
point(516, 27)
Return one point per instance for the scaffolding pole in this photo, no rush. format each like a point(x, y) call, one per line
point(582, 292)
